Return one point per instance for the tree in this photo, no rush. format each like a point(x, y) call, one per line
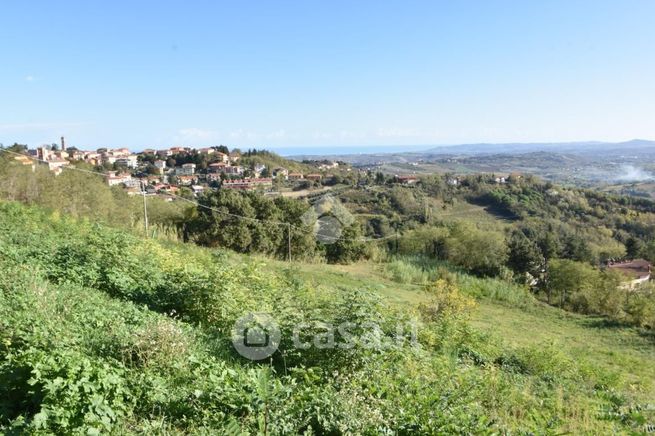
point(634, 247)
point(568, 277)
point(480, 252)
point(348, 248)
point(224, 222)
point(524, 254)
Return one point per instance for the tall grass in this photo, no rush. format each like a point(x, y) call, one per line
point(420, 270)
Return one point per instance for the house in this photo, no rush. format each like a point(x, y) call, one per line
point(248, 184)
point(197, 189)
point(637, 271)
point(235, 170)
point(108, 157)
point(169, 189)
point(326, 166)
point(178, 150)
point(452, 181)
point(121, 152)
point(160, 165)
point(234, 157)
point(187, 180)
point(165, 153)
point(23, 160)
point(281, 172)
point(114, 179)
point(78, 155)
point(26, 161)
point(406, 180)
point(206, 150)
point(133, 190)
point(129, 161)
point(258, 168)
point(43, 153)
point(55, 164)
point(149, 151)
point(61, 154)
point(216, 167)
point(187, 169)
point(500, 180)
point(133, 183)
point(92, 157)
point(314, 177)
point(295, 176)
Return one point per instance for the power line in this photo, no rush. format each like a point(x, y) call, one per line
point(197, 204)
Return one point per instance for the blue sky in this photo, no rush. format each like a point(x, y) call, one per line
point(315, 74)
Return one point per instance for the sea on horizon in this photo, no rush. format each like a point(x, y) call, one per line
point(324, 150)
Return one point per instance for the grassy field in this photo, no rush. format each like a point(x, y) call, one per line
point(105, 332)
point(625, 352)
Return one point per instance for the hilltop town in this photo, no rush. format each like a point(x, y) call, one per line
point(178, 170)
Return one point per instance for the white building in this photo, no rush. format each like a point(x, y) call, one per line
point(128, 161)
point(187, 169)
point(55, 164)
point(160, 165)
point(114, 179)
point(258, 169)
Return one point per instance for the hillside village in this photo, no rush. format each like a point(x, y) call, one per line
point(169, 171)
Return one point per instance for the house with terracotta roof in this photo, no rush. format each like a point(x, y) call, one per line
point(222, 157)
point(24, 160)
point(187, 180)
point(247, 184)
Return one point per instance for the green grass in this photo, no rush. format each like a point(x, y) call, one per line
point(627, 352)
point(102, 331)
point(514, 318)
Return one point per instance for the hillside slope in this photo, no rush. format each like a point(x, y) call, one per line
point(102, 331)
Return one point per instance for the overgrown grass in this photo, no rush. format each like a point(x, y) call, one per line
point(104, 332)
point(420, 270)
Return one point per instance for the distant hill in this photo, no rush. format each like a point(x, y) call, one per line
point(562, 147)
point(589, 163)
point(638, 146)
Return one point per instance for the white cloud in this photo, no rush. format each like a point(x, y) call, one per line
point(30, 78)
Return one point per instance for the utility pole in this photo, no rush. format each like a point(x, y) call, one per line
point(145, 209)
point(289, 240)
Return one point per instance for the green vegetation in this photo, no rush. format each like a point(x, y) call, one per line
point(84, 195)
point(102, 331)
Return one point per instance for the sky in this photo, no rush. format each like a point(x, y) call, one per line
point(318, 74)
